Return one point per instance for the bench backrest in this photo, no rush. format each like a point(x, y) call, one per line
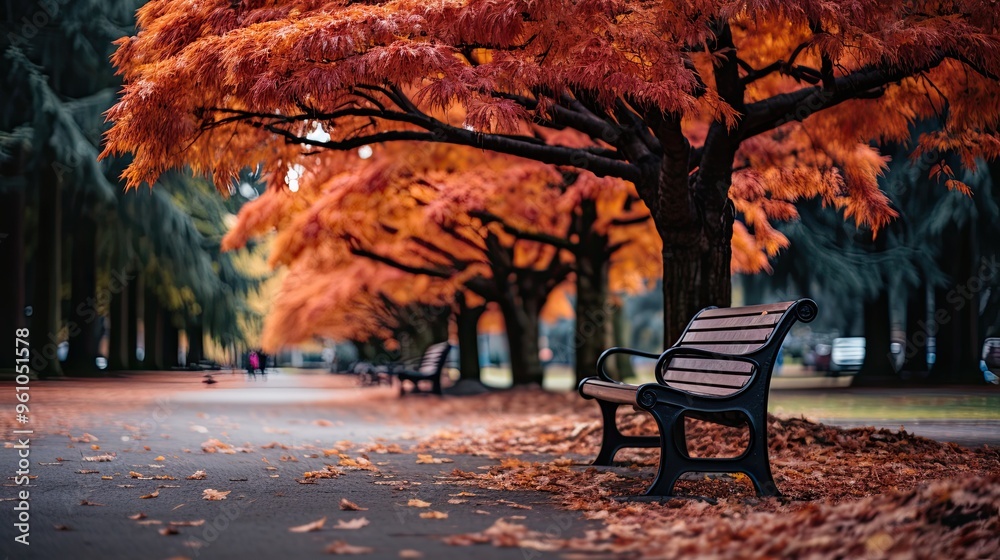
point(754, 331)
point(434, 358)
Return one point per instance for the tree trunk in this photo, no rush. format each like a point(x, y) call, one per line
point(521, 322)
point(694, 218)
point(46, 301)
point(694, 277)
point(12, 281)
point(690, 206)
point(196, 342)
point(170, 344)
point(468, 339)
point(956, 314)
point(118, 345)
point(84, 323)
point(591, 306)
point(134, 304)
point(878, 365)
point(152, 322)
point(620, 330)
point(915, 353)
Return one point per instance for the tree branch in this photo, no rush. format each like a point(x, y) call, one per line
point(384, 259)
point(771, 113)
point(541, 237)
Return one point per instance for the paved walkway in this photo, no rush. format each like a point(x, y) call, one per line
point(155, 425)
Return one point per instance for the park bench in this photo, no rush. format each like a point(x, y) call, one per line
point(429, 370)
point(719, 371)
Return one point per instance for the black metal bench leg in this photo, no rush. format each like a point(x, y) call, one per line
point(612, 440)
point(672, 461)
point(757, 465)
point(436, 385)
point(680, 436)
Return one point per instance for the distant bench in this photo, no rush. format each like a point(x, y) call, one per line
point(428, 371)
point(719, 371)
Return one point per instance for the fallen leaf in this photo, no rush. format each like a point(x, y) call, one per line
point(198, 475)
point(215, 446)
point(87, 471)
point(168, 530)
point(329, 471)
point(323, 423)
point(89, 503)
point(199, 429)
point(418, 503)
point(137, 516)
point(457, 501)
point(160, 458)
point(341, 547)
point(105, 458)
point(352, 524)
point(410, 553)
point(195, 523)
point(153, 495)
point(434, 515)
point(348, 505)
point(429, 460)
point(314, 526)
point(95, 447)
point(514, 505)
point(210, 494)
point(61, 527)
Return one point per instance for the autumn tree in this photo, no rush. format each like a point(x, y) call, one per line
point(472, 227)
point(688, 100)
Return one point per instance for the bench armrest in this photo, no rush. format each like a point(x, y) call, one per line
point(647, 395)
point(617, 350)
point(681, 352)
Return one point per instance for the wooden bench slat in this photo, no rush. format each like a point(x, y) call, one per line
point(735, 349)
point(743, 335)
point(735, 322)
point(614, 392)
point(778, 308)
point(706, 364)
point(703, 389)
point(698, 378)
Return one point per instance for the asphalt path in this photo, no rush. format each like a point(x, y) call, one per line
point(155, 426)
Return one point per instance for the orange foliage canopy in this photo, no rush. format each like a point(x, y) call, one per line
point(410, 224)
point(198, 72)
